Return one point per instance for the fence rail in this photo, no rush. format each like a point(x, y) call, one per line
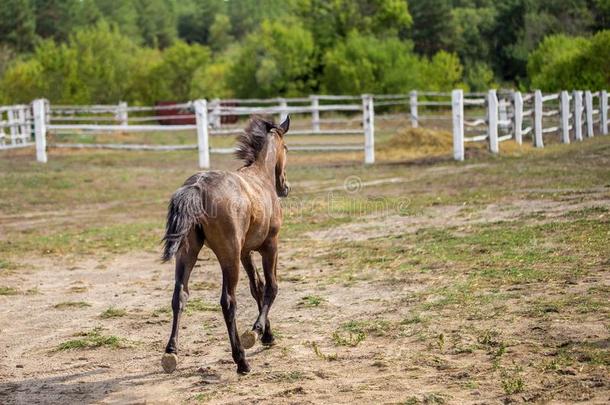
point(492, 117)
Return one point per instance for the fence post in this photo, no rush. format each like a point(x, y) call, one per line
point(413, 103)
point(603, 111)
point(216, 118)
point(10, 114)
point(201, 118)
point(368, 124)
point(121, 114)
point(457, 112)
point(564, 106)
point(283, 107)
point(40, 129)
point(492, 121)
point(577, 95)
point(24, 133)
point(538, 119)
point(315, 113)
point(589, 112)
point(518, 123)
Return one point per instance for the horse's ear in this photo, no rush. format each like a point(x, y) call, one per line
point(268, 125)
point(285, 126)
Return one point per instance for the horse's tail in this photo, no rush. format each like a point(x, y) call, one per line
point(183, 213)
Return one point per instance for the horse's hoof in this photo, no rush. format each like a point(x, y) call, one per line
point(268, 339)
point(243, 369)
point(248, 339)
point(268, 342)
point(169, 362)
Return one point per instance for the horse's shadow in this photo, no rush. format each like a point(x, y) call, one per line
point(70, 388)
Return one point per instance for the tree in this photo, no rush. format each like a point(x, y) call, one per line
point(57, 19)
point(276, 60)
point(196, 18)
point(220, 33)
point(77, 72)
point(123, 14)
point(171, 79)
point(17, 25)
point(156, 22)
point(366, 64)
point(562, 62)
point(431, 25)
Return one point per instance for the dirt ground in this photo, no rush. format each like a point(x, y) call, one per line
point(386, 307)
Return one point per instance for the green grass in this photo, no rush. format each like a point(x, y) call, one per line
point(318, 353)
point(352, 333)
point(311, 301)
point(8, 291)
point(199, 305)
point(513, 384)
point(91, 340)
point(112, 312)
point(71, 304)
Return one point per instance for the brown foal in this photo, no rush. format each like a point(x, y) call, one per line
point(234, 214)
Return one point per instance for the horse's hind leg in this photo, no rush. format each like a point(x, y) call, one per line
point(185, 261)
point(228, 302)
point(257, 286)
point(269, 254)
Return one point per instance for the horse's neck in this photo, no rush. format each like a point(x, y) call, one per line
point(265, 163)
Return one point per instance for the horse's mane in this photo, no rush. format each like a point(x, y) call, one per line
point(253, 140)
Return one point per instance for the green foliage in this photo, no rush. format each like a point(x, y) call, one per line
point(17, 24)
point(143, 51)
point(431, 25)
point(562, 62)
point(366, 64)
point(278, 59)
point(171, 79)
point(479, 77)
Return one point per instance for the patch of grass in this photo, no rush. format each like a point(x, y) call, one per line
point(165, 310)
point(378, 327)
point(350, 339)
point(8, 291)
point(91, 340)
point(115, 238)
point(289, 376)
point(7, 265)
point(318, 352)
point(311, 301)
point(202, 397)
point(203, 285)
point(71, 304)
point(413, 319)
point(353, 332)
point(112, 312)
point(198, 305)
point(512, 384)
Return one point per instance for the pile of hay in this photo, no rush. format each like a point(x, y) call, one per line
point(413, 143)
point(416, 142)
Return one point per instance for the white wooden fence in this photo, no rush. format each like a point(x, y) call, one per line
point(492, 117)
point(515, 115)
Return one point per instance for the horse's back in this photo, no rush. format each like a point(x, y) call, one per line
point(238, 209)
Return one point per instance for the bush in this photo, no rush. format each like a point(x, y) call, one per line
point(567, 63)
point(172, 77)
point(366, 64)
point(94, 66)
